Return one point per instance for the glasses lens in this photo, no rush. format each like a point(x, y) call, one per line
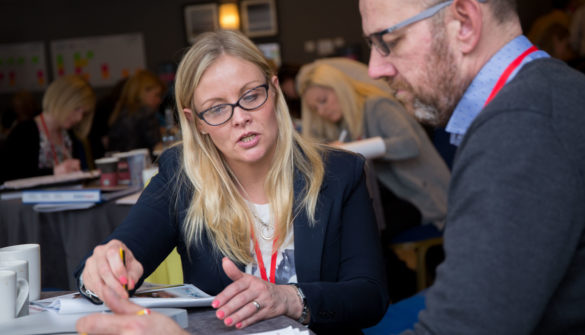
point(378, 42)
point(254, 98)
point(217, 115)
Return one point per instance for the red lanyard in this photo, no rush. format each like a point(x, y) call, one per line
point(261, 261)
point(504, 78)
point(55, 158)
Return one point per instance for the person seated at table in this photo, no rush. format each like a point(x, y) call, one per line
point(251, 205)
point(134, 122)
point(53, 141)
point(412, 177)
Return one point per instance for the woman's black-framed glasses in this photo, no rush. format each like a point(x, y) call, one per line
point(253, 98)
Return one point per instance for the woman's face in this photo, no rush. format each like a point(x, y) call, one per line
point(249, 137)
point(152, 96)
point(323, 101)
point(74, 117)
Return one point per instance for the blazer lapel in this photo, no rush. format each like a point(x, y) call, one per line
point(308, 240)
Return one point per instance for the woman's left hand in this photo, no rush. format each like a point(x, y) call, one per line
point(250, 299)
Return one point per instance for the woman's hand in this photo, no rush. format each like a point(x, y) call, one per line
point(105, 269)
point(67, 166)
point(129, 319)
point(250, 299)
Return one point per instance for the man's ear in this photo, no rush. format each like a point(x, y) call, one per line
point(468, 14)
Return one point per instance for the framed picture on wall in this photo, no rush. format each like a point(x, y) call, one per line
point(199, 19)
point(258, 17)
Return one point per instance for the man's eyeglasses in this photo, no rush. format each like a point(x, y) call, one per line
point(377, 39)
point(220, 114)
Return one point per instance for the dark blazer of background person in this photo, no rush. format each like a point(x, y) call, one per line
point(338, 261)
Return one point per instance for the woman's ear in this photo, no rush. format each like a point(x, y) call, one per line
point(188, 114)
point(275, 81)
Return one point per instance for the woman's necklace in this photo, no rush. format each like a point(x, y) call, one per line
point(266, 229)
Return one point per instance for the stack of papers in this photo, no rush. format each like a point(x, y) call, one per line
point(185, 295)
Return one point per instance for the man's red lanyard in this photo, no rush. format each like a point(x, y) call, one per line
point(261, 261)
point(55, 158)
point(504, 78)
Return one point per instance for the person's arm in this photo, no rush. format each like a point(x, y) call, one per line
point(390, 120)
point(355, 296)
point(150, 231)
point(514, 223)
point(22, 151)
point(128, 318)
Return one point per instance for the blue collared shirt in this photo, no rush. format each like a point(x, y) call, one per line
point(482, 85)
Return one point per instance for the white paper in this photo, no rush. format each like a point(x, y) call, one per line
point(52, 323)
point(18, 184)
point(284, 331)
point(185, 295)
point(371, 148)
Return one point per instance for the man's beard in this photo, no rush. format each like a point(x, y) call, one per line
point(443, 88)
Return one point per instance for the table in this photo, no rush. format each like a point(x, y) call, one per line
point(65, 237)
point(202, 321)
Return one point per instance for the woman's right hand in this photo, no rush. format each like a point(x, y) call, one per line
point(105, 269)
point(67, 166)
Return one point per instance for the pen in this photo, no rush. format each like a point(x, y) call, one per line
point(343, 135)
point(123, 258)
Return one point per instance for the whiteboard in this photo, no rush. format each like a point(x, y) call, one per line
point(23, 67)
point(101, 60)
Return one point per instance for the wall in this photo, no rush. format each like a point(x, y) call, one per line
point(163, 28)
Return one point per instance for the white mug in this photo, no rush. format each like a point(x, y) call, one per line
point(21, 269)
point(13, 293)
point(32, 254)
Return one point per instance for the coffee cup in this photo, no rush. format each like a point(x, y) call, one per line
point(32, 254)
point(109, 171)
point(138, 160)
point(13, 292)
point(21, 269)
point(123, 168)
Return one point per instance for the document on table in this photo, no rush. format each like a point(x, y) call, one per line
point(284, 331)
point(185, 295)
point(47, 322)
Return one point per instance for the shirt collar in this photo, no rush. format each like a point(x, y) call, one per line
point(482, 85)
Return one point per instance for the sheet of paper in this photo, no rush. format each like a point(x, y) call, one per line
point(371, 148)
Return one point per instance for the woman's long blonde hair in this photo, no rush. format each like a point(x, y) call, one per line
point(217, 208)
point(66, 94)
point(351, 95)
point(131, 95)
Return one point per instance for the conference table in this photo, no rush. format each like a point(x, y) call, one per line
point(65, 237)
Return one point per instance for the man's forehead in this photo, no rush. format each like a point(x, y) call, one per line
point(378, 15)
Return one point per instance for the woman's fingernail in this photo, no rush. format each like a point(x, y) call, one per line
point(220, 314)
point(215, 303)
point(239, 325)
point(123, 280)
point(228, 321)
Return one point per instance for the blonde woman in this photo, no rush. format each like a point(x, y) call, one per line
point(53, 142)
point(252, 206)
point(413, 178)
point(134, 123)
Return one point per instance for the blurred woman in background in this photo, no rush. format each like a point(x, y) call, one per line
point(134, 123)
point(54, 142)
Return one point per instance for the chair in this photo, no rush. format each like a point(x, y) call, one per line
point(169, 272)
point(399, 317)
point(412, 245)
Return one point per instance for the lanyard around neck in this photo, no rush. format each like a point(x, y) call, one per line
point(509, 70)
point(55, 157)
point(261, 266)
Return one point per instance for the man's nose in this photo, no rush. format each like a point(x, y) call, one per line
point(379, 66)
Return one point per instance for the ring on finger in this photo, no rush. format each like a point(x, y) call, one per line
point(257, 305)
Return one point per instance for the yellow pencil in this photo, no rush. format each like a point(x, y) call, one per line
point(123, 258)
